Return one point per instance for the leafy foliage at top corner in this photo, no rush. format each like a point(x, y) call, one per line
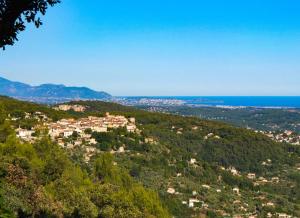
point(14, 14)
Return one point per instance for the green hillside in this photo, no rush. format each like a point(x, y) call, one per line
point(189, 157)
point(266, 119)
point(41, 180)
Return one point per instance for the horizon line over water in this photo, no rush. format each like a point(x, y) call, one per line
point(236, 101)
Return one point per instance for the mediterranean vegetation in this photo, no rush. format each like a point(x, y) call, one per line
point(42, 180)
point(172, 166)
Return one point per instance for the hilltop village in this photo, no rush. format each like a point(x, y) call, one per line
point(82, 129)
point(71, 133)
point(66, 127)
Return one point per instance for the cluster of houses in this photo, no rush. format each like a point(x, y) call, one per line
point(157, 102)
point(243, 207)
point(252, 176)
point(232, 170)
point(66, 127)
point(286, 136)
point(67, 107)
point(211, 135)
point(35, 115)
point(25, 134)
point(62, 130)
point(195, 203)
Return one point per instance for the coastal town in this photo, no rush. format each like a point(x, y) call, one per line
point(149, 101)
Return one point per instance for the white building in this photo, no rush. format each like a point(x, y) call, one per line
point(171, 191)
point(67, 133)
point(193, 161)
point(24, 133)
point(206, 186)
point(192, 202)
point(251, 176)
point(236, 190)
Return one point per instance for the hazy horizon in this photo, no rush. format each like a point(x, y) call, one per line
point(162, 96)
point(169, 48)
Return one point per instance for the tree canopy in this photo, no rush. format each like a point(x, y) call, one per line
point(14, 14)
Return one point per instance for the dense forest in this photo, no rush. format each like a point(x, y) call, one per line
point(181, 158)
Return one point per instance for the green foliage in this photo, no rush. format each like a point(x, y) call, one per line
point(235, 181)
point(104, 168)
point(75, 135)
point(17, 109)
point(2, 113)
point(121, 203)
point(88, 131)
point(104, 188)
point(40, 180)
point(102, 137)
point(5, 131)
point(243, 149)
point(104, 146)
point(112, 139)
point(4, 211)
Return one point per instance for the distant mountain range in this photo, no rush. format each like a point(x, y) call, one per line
point(48, 93)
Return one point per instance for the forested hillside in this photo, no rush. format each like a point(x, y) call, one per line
point(197, 167)
point(41, 180)
point(267, 119)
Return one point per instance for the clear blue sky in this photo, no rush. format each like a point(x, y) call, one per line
point(163, 47)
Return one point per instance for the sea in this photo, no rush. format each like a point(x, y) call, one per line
point(225, 101)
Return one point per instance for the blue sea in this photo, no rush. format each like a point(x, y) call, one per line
point(235, 101)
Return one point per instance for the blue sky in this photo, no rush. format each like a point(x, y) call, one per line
point(163, 47)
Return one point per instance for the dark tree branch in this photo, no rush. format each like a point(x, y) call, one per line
point(15, 13)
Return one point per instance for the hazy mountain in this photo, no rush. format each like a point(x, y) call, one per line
point(48, 93)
